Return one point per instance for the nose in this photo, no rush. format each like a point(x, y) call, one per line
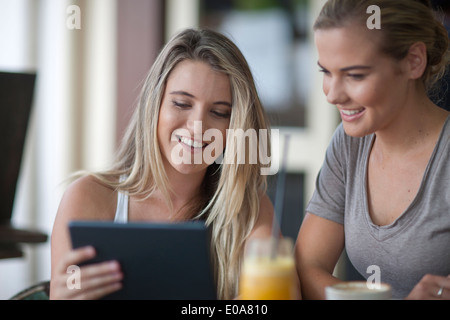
point(196, 122)
point(335, 91)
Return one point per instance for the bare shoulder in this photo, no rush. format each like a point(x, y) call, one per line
point(88, 198)
point(85, 199)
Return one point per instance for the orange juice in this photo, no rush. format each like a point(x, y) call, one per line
point(268, 279)
point(265, 276)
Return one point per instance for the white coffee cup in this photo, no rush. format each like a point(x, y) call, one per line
point(358, 290)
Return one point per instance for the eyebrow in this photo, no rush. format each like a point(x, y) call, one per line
point(187, 94)
point(348, 68)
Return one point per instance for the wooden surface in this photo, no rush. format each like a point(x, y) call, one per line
point(12, 238)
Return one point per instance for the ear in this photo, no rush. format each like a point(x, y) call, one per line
point(417, 60)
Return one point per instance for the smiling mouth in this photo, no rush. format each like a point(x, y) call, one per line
point(191, 143)
point(352, 112)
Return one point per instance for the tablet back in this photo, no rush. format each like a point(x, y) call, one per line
point(159, 261)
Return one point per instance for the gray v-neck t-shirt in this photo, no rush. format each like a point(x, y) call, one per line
point(416, 243)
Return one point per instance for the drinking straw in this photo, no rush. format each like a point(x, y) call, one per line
point(279, 199)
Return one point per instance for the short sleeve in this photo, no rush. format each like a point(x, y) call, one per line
point(328, 200)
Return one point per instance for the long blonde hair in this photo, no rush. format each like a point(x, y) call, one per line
point(232, 191)
point(403, 23)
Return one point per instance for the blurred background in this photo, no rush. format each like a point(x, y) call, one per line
point(90, 58)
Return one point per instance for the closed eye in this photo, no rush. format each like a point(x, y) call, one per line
point(221, 114)
point(324, 71)
point(181, 104)
point(357, 77)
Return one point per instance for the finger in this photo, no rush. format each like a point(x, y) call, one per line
point(100, 271)
point(98, 292)
point(444, 289)
point(75, 257)
point(95, 281)
point(101, 283)
point(435, 283)
point(427, 288)
point(90, 291)
point(99, 280)
point(100, 268)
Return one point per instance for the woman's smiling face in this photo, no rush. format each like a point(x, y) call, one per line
point(368, 88)
point(196, 99)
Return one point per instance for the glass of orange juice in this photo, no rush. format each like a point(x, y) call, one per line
point(268, 270)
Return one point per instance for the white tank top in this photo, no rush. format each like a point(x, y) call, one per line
point(121, 215)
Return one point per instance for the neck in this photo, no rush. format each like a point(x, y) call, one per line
point(183, 188)
point(418, 124)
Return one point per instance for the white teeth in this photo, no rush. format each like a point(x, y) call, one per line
point(351, 112)
point(191, 143)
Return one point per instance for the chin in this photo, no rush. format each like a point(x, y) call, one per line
point(190, 169)
point(355, 132)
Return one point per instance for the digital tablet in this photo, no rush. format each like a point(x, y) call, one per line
point(159, 261)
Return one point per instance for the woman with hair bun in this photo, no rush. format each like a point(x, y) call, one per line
point(383, 191)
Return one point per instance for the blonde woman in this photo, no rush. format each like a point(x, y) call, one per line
point(199, 82)
point(383, 190)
